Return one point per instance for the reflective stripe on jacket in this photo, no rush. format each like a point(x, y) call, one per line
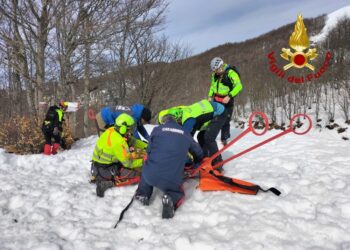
point(111, 147)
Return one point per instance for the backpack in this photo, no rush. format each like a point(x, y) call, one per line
point(225, 79)
point(234, 68)
point(51, 119)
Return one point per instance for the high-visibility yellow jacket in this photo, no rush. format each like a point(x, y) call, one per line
point(112, 147)
point(227, 84)
point(202, 111)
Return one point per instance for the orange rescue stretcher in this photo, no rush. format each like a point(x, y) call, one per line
point(212, 180)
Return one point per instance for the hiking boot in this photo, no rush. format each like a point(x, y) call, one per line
point(55, 148)
point(47, 149)
point(102, 186)
point(168, 207)
point(143, 199)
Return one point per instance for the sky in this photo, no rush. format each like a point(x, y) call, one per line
point(204, 24)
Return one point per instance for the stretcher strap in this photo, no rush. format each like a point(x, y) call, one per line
point(254, 188)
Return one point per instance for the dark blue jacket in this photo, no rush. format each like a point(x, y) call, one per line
point(109, 114)
point(167, 153)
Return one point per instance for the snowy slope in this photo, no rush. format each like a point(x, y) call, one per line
point(47, 202)
point(331, 22)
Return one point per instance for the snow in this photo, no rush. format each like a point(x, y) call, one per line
point(332, 20)
point(46, 202)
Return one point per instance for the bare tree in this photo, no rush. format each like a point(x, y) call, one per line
point(10, 71)
point(31, 25)
point(141, 20)
point(14, 45)
point(79, 27)
point(331, 104)
point(95, 29)
point(344, 100)
point(317, 93)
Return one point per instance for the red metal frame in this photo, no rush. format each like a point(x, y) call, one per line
point(251, 129)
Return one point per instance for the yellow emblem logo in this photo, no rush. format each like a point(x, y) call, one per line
point(302, 54)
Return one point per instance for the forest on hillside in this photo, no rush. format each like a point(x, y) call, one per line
point(265, 91)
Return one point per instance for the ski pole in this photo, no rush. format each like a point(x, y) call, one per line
point(123, 211)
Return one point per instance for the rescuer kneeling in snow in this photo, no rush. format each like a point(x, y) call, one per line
point(164, 167)
point(118, 156)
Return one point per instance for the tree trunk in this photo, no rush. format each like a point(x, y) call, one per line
point(86, 87)
point(73, 121)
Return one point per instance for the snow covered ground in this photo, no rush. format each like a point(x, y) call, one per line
point(48, 203)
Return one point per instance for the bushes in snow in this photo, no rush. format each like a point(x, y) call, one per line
point(22, 135)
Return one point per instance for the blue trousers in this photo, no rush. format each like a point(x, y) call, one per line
point(172, 189)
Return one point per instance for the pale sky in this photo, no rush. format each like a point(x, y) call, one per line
point(204, 24)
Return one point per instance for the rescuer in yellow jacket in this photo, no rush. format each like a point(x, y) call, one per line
point(207, 117)
point(225, 86)
point(118, 156)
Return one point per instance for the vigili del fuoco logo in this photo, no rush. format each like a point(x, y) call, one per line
point(299, 55)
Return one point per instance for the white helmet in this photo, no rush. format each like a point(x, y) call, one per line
point(216, 63)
